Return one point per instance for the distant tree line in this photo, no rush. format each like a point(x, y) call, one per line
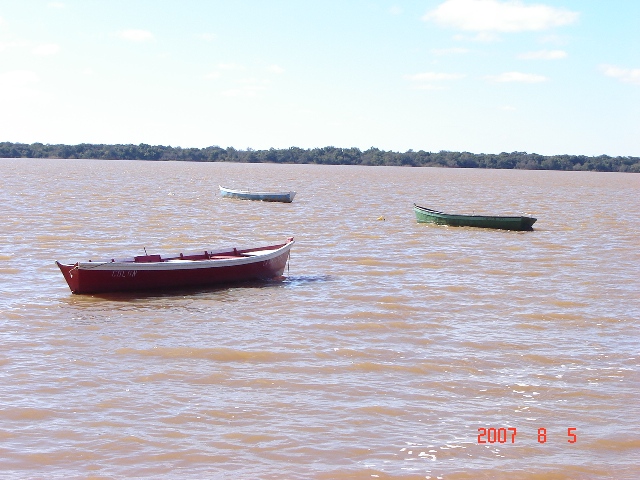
point(325, 156)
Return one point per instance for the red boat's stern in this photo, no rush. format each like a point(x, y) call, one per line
point(70, 273)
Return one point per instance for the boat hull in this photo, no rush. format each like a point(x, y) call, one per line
point(283, 197)
point(216, 269)
point(517, 223)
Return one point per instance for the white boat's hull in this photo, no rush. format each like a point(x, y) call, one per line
point(284, 197)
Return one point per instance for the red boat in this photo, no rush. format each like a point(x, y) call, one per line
point(155, 272)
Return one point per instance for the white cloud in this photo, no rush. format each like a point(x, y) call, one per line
point(554, 39)
point(244, 91)
point(207, 37)
point(135, 35)
point(428, 86)
point(626, 75)
point(18, 78)
point(7, 45)
point(46, 49)
point(230, 66)
point(517, 77)
point(17, 87)
point(276, 69)
point(544, 55)
point(425, 80)
point(449, 51)
point(485, 37)
point(434, 76)
point(499, 16)
point(395, 10)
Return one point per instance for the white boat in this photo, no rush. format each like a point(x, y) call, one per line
point(285, 197)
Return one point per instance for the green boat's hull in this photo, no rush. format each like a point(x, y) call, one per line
point(426, 215)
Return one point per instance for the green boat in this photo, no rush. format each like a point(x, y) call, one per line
point(427, 215)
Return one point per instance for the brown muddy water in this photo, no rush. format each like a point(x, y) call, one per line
point(391, 349)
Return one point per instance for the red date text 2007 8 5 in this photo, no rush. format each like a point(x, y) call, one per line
point(508, 435)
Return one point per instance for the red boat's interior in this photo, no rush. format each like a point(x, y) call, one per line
point(192, 256)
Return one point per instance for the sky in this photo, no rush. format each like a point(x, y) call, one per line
point(481, 76)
